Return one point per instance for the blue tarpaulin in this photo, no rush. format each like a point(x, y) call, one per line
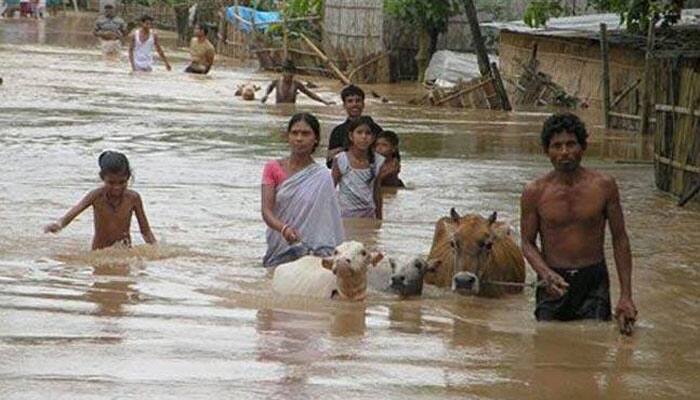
point(263, 19)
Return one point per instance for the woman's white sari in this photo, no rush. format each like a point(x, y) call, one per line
point(307, 202)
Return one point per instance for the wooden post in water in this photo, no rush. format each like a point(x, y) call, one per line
point(334, 68)
point(604, 53)
point(481, 55)
point(221, 30)
point(285, 31)
point(646, 91)
point(479, 47)
point(500, 89)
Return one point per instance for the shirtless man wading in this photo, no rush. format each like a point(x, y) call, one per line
point(286, 88)
point(568, 208)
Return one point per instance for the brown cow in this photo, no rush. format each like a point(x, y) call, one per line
point(484, 251)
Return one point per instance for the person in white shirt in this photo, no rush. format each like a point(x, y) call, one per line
point(141, 46)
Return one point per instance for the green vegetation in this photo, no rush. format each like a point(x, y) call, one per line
point(294, 11)
point(429, 17)
point(539, 11)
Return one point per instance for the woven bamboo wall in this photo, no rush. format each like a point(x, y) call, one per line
point(353, 28)
point(677, 137)
point(575, 64)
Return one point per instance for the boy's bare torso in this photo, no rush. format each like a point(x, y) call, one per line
point(112, 218)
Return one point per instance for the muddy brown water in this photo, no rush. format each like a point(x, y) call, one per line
point(195, 318)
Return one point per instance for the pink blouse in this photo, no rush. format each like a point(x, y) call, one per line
point(273, 174)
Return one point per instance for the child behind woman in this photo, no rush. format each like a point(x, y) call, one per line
point(358, 172)
point(387, 145)
point(113, 205)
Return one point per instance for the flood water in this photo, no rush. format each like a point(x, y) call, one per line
point(195, 318)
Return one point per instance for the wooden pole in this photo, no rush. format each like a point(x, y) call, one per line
point(221, 34)
point(479, 47)
point(463, 92)
point(683, 200)
point(334, 68)
point(604, 52)
point(646, 91)
point(326, 60)
point(500, 89)
point(285, 31)
point(624, 93)
point(481, 55)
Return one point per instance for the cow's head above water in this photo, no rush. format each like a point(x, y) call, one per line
point(407, 279)
point(349, 264)
point(472, 241)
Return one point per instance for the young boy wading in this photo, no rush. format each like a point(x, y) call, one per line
point(568, 208)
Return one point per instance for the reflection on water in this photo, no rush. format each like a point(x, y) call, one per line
point(111, 290)
point(195, 316)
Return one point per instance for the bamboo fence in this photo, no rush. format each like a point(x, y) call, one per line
point(574, 65)
point(353, 38)
point(677, 136)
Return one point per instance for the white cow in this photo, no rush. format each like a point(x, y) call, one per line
point(341, 276)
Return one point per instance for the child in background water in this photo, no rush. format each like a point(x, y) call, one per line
point(113, 205)
point(358, 172)
point(387, 145)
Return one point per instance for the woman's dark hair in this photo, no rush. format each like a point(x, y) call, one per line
point(146, 17)
point(311, 121)
point(392, 138)
point(203, 27)
point(113, 162)
point(351, 90)
point(563, 122)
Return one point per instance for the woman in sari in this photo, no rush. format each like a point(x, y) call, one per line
point(299, 204)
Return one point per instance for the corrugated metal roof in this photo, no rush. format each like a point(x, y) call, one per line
point(682, 39)
point(565, 26)
point(581, 25)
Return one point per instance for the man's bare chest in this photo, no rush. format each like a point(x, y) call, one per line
point(560, 208)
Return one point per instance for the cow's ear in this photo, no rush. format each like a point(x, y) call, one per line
point(454, 215)
point(392, 264)
point(433, 265)
point(492, 218)
point(327, 263)
point(376, 257)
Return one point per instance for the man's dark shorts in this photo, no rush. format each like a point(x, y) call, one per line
point(588, 296)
